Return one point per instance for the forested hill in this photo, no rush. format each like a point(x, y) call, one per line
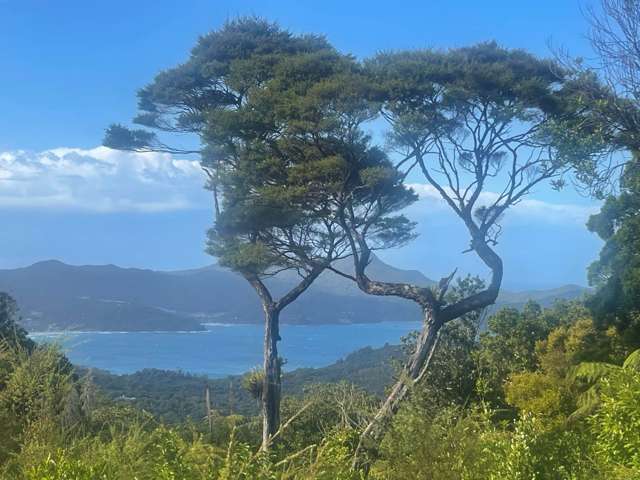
point(174, 396)
point(54, 295)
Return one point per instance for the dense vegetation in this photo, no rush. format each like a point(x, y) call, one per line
point(542, 393)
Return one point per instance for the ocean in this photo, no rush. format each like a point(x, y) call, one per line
point(221, 349)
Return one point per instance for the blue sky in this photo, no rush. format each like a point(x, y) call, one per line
point(70, 68)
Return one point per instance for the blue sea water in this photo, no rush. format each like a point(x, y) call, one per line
point(221, 349)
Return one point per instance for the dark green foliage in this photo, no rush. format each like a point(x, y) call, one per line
point(279, 119)
point(175, 396)
point(293, 157)
point(223, 68)
point(617, 272)
point(371, 369)
point(484, 72)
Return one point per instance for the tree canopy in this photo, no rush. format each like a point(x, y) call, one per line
point(616, 273)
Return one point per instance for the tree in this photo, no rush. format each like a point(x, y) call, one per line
point(610, 88)
point(484, 126)
point(508, 345)
point(544, 386)
point(617, 271)
point(10, 332)
point(615, 37)
point(230, 93)
point(453, 375)
point(283, 203)
point(288, 163)
point(279, 117)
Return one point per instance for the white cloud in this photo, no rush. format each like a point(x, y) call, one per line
point(105, 180)
point(100, 180)
point(527, 209)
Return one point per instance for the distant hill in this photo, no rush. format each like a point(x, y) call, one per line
point(57, 296)
point(543, 297)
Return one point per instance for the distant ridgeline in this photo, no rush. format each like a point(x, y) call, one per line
point(56, 296)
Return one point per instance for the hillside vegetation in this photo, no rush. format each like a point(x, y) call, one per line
point(543, 393)
point(175, 396)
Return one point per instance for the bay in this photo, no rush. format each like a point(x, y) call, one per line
point(221, 349)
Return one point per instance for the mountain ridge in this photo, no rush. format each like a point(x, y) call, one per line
point(54, 295)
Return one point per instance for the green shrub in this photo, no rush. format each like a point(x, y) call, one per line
point(616, 425)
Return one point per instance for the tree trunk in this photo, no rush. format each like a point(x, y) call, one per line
point(413, 372)
point(272, 387)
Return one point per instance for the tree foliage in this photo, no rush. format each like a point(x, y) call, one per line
point(616, 273)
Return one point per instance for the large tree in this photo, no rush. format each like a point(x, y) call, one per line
point(230, 94)
point(483, 126)
point(279, 117)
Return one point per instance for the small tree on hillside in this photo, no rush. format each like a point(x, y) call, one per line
point(483, 126)
point(11, 333)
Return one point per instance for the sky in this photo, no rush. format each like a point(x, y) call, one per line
point(70, 68)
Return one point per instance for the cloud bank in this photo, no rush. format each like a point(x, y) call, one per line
point(103, 180)
point(100, 180)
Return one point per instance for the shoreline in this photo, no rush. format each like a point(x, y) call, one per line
point(53, 333)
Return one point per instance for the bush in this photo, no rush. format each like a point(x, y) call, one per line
point(616, 425)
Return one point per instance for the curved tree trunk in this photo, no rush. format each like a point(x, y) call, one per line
point(412, 373)
point(271, 389)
